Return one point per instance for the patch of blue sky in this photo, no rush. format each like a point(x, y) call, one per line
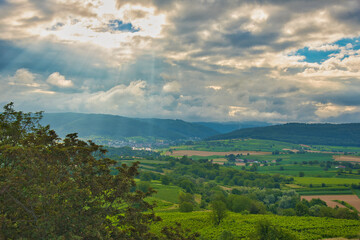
point(317, 56)
point(355, 42)
point(314, 56)
point(118, 25)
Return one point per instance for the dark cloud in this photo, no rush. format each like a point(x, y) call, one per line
point(344, 118)
point(243, 39)
point(348, 12)
point(347, 98)
point(46, 58)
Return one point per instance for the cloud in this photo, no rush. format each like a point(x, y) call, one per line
point(23, 77)
point(118, 25)
point(331, 110)
point(59, 80)
point(171, 87)
point(196, 60)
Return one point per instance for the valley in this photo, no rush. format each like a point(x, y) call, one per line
point(286, 182)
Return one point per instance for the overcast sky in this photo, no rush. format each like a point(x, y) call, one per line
point(198, 60)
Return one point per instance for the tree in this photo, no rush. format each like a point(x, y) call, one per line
point(186, 201)
point(218, 212)
point(165, 180)
point(265, 230)
point(301, 209)
point(186, 207)
point(143, 186)
point(52, 188)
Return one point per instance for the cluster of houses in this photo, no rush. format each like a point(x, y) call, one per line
point(239, 160)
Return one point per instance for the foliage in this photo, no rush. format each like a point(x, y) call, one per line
point(226, 235)
point(143, 186)
point(52, 189)
point(165, 180)
point(186, 207)
point(218, 212)
point(238, 204)
point(241, 226)
point(301, 133)
point(186, 201)
point(178, 233)
point(267, 231)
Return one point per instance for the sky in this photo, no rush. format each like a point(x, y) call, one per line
point(204, 60)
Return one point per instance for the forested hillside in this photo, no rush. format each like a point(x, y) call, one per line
point(116, 126)
point(226, 127)
point(301, 133)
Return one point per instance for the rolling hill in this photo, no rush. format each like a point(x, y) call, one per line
point(302, 133)
point(225, 127)
point(113, 126)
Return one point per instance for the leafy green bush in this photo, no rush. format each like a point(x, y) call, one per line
point(186, 207)
point(267, 231)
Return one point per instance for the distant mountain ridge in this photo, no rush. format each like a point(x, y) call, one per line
point(113, 126)
point(225, 127)
point(301, 133)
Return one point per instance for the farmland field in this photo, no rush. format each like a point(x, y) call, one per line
point(210, 153)
point(242, 226)
point(328, 181)
point(353, 200)
point(263, 145)
point(239, 145)
point(347, 158)
point(166, 193)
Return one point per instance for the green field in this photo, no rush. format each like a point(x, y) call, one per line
point(291, 158)
point(306, 181)
point(260, 145)
point(243, 225)
point(239, 145)
point(167, 193)
point(293, 170)
point(144, 161)
point(348, 149)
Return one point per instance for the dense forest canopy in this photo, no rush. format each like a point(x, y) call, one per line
point(302, 133)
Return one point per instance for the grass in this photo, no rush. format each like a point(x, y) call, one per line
point(292, 158)
point(348, 149)
point(239, 145)
point(357, 192)
point(293, 170)
point(309, 193)
point(328, 181)
point(144, 161)
point(167, 193)
point(259, 145)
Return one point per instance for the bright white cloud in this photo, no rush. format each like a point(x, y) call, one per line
point(59, 80)
point(172, 87)
point(216, 88)
point(23, 77)
point(332, 110)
